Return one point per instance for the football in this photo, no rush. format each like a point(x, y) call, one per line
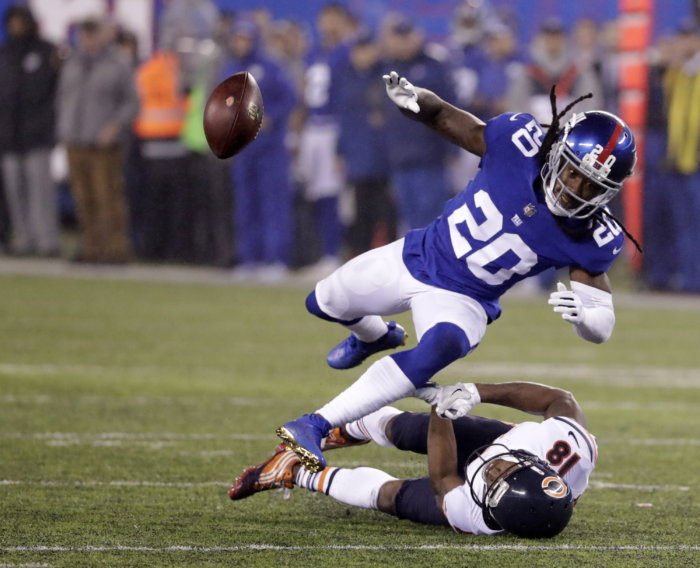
point(233, 115)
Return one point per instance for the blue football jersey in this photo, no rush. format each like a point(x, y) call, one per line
point(321, 67)
point(498, 230)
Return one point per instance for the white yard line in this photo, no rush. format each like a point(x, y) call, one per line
point(40, 399)
point(191, 485)
point(607, 485)
point(93, 370)
point(30, 565)
point(169, 436)
point(652, 441)
point(91, 437)
point(174, 484)
point(643, 376)
point(634, 406)
point(633, 377)
point(311, 548)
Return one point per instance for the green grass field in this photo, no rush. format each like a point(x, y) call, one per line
point(127, 408)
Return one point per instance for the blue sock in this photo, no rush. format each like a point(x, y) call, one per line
point(313, 308)
point(440, 345)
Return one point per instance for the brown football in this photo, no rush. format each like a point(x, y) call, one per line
point(233, 115)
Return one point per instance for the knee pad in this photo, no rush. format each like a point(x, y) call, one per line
point(313, 308)
point(440, 345)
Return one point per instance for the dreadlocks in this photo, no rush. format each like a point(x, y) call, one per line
point(553, 129)
point(601, 213)
point(551, 136)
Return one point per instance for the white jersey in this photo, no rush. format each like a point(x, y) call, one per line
point(562, 442)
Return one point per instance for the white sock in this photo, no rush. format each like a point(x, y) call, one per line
point(358, 487)
point(384, 382)
point(373, 426)
point(319, 481)
point(369, 328)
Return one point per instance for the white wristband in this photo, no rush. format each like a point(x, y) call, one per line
point(599, 313)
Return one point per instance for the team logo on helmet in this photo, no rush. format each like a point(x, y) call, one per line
point(555, 487)
point(592, 161)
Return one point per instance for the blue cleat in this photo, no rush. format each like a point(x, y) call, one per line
point(303, 436)
point(351, 351)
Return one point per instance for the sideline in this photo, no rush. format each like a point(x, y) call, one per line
point(177, 274)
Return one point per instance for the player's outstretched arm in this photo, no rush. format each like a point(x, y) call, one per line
point(442, 456)
point(533, 398)
point(458, 126)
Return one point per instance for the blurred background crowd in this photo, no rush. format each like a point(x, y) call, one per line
point(104, 159)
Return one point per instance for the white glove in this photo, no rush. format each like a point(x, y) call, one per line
point(401, 91)
point(429, 392)
point(568, 304)
point(451, 401)
point(455, 401)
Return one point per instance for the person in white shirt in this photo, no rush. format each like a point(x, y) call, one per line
point(485, 476)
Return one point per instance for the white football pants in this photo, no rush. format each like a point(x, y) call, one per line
point(378, 283)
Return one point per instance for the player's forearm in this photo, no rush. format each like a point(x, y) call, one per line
point(533, 398)
point(458, 126)
point(442, 456)
point(430, 107)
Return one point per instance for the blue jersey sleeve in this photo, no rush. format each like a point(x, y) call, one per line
point(605, 246)
point(513, 136)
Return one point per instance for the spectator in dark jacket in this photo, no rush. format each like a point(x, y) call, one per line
point(417, 156)
point(29, 71)
point(362, 145)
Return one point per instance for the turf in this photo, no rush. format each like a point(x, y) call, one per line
point(126, 409)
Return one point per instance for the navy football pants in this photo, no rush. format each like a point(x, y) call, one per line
point(415, 500)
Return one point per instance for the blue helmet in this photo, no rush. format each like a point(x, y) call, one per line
point(601, 147)
point(528, 498)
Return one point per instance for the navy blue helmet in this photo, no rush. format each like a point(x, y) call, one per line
point(601, 147)
point(527, 498)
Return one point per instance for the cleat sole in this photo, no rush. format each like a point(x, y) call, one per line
point(308, 459)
